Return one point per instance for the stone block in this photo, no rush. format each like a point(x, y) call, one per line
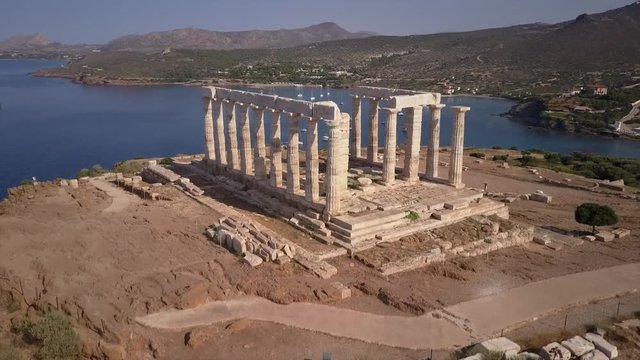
point(594, 355)
point(446, 245)
point(555, 351)
point(270, 251)
point(287, 250)
point(73, 183)
point(364, 181)
point(474, 357)
point(252, 259)
point(541, 239)
point(590, 238)
point(342, 291)
point(312, 214)
point(528, 356)
point(211, 233)
point(620, 233)
point(327, 110)
point(602, 345)
point(500, 345)
point(544, 198)
point(295, 106)
point(239, 245)
point(525, 197)
point(509, 199)
point(578, 346)
point(406, 101)
point(605, 236)
point(63, 182)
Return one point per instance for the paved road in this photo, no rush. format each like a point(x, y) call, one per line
point(463, 323)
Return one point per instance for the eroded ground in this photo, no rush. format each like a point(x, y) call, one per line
point(61, 249)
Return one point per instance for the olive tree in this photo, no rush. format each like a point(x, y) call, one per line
point(595, 215)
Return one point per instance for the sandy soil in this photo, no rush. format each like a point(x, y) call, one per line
point(106, 267)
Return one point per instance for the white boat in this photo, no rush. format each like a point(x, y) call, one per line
point(321, 95)
point(299, 95)
point(303, 130)
point(341, 103)
point(400, 113)
point(312, 98)
point(325, 138)
point(300, 143)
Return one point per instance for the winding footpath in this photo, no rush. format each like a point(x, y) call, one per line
point(453, 326)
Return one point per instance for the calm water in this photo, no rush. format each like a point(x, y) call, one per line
point(51, 127)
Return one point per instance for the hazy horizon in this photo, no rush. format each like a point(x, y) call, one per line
point(80, 21)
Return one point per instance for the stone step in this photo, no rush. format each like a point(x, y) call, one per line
point(369, 232)
point(359, 222)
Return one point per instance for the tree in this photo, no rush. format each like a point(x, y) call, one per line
point(595, 215)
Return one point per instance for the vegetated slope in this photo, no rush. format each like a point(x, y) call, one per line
point(253, 39)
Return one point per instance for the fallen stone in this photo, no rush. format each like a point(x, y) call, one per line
point(73, 183)
point(509, 200)
point(251, 259)
point(578, 345)
point(287, 251)
point(341, 290)
point(238, 325)
point(474, 357)
point(555, 351)
point(478, 161)
point(500, 345)
point(446, 245)
point(590, 238)
point(200, 336)
point(239, 245)
point(364, 181)
point(525, 197)
point(504, 165)
point(594, 355)
point(64, 182)
point(544, 198)
point(211, 233)
point(554, 246)
point(541, 239)
point(605, 236)
point(528, 356)
point(602, 345)
point(620, 233)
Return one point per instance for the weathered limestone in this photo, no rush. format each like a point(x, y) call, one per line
point(209, 142)
point(293, 155)
point(578, 346)
point(260, 151)
point(332, 176)
point(434, 141)
point(555, 351)
point(312, 188)
point(412, 148)
point(602, 345)
point(389, 162)
point(457, 146)
point(372, 147)
point(246, 158)
point(218, 133)
point(356, 127)
point(500, 345)
point(232, 137)
point(344, 154)
point(275, 175)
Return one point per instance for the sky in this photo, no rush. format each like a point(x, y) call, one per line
point(98, 21)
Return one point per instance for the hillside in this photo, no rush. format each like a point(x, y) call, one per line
point(253, 39)
point(38, 45)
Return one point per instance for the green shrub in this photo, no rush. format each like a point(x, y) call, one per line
point(553, 158)
point(513, 148)
point(500, 157)
point(496, 147)
point(413, 216)
point(595, 215)
point(528, 160)
point(478, 155)
point(26, 182)
point(536, 151)
point(53, 334)
point(166, 161)
point(128, 167)
point(94, 171)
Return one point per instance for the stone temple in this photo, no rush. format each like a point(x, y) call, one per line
point(343, 194)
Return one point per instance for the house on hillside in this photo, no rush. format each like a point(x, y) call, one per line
point(599, 90)
point(448, 90)
point(572, 91)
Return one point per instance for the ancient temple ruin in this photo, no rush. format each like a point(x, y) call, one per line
point(344, 193)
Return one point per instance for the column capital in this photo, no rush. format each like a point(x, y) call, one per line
point(437, 106)
point(460, 109)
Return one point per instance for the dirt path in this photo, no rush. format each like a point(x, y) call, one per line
point(120, 198)
point(463, 323)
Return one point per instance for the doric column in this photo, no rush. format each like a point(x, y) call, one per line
point(275, 175)
point(260, 151)
point(246, 154)
point(232, 136)
point(372, 147)
point(434, 141)
point(218, 132)
point(356, 128)
point(389, 162)
point(332, 174)
point(209, 143)
point(457, 146)
point(344, 148)
point(412, 147)
point(293, 155)
point(312, 188)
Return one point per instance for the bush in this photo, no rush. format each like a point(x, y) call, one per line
point(500, 157)
point(553, 158)
point(478, 155)
point(595, 215)
point(496, 147)
point(128, 167)
point(536, 151)
point(26, 182)
point(53, 334)
point(166, 161)
point(528, 160)
point(413, 216)
point(94, 171)
point(513, 148)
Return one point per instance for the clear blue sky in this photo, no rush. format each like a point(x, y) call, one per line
point(98, 21)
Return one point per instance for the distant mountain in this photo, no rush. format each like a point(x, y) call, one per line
point(24, 42)
point(192, 38)
point(38, 45)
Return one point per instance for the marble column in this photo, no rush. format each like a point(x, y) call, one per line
point(332, 174)
point(356, 128)
point(293, 155)
point(260, 151)
point(275, 175)
point(412, 147)
point(209, 143)
point(232, 136)
point(218, 133)
point(312, 186)
point(246, 154)
point(344, 148)
point(433, 150)
point(389, 161)
point(457, 146)
point(372, 147)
